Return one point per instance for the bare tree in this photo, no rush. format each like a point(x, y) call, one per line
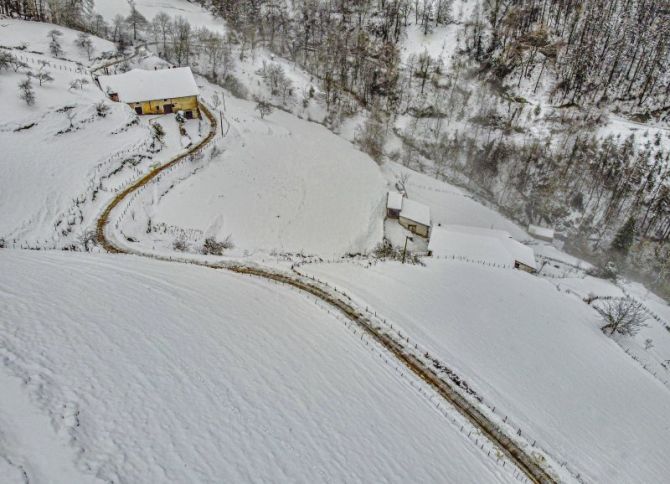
point(624, 316)
point(26, 91)
point(136, 20)
point(161, 25)
point(54, 45)
point(84, 43)
point(43, 75)
point(403, 180)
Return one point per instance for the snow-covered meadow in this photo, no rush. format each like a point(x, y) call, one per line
point(534, 352)
point(161, 372)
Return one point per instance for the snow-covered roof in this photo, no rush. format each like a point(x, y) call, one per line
point(543, 232)
point(474, 243)
point(394, 201)
point(415, 211)
point(147, 85)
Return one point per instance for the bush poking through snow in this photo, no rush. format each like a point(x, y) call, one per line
point(386, 250)
point(624, 316)
point(214, 247)
point(26, 91)
point(264, 108)
point(78, 83)
point(87, 240)
point(6, 60)
point(180, 244)
point(102, 109)
point(157, 136)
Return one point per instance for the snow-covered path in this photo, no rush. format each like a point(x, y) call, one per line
point(110, 241)
point(163, 372)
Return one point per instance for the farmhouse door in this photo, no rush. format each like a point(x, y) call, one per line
point(138, 109)
point(412, 228)
point(167, 108)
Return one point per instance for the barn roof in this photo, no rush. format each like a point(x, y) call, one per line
point(147, 85)
point(488, 245)
point(394, 201)
point(415, 211)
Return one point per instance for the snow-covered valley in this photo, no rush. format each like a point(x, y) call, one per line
point(140, 367)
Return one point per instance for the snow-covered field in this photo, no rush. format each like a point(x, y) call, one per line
point(535, 353)
point(281, 185)
point(157, 372)
point(56, 153)
point(175, 373)
point(63, 157)
point(33, 37)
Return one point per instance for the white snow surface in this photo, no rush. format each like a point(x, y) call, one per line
point(394, 201)
point(134, 370)
point(147, 85)
point(196, 15)
point(281, 184)
point(49, 168)
point(535, 353)
point(479, 244)
point(14, 33)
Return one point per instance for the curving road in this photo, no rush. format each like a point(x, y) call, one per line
point(524, 461)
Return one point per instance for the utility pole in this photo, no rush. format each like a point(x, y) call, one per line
point(404, 251)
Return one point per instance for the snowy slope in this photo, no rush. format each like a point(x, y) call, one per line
point(51, 165)
point(174, 373)
point(450, 204)
point(534, 352)
point(63, 158)
point(33, 35)
point(195, 14)
point(282, 184)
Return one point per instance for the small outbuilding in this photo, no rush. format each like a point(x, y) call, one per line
point(161, 91)
point(542, 233)
point(489, 246)
point(415, 217)
point(393, 204)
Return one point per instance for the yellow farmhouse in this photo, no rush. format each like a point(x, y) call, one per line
point(159, 91)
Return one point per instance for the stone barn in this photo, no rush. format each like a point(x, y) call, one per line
point(160, 91)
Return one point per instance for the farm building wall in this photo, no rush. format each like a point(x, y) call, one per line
point(421, 230)
point(158, 106)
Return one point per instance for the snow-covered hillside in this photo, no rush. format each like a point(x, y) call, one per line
point(149, 8)
point(284, 185)
point(158, 372)
point(65, 155)
point(123, 368)
point(535, 353)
